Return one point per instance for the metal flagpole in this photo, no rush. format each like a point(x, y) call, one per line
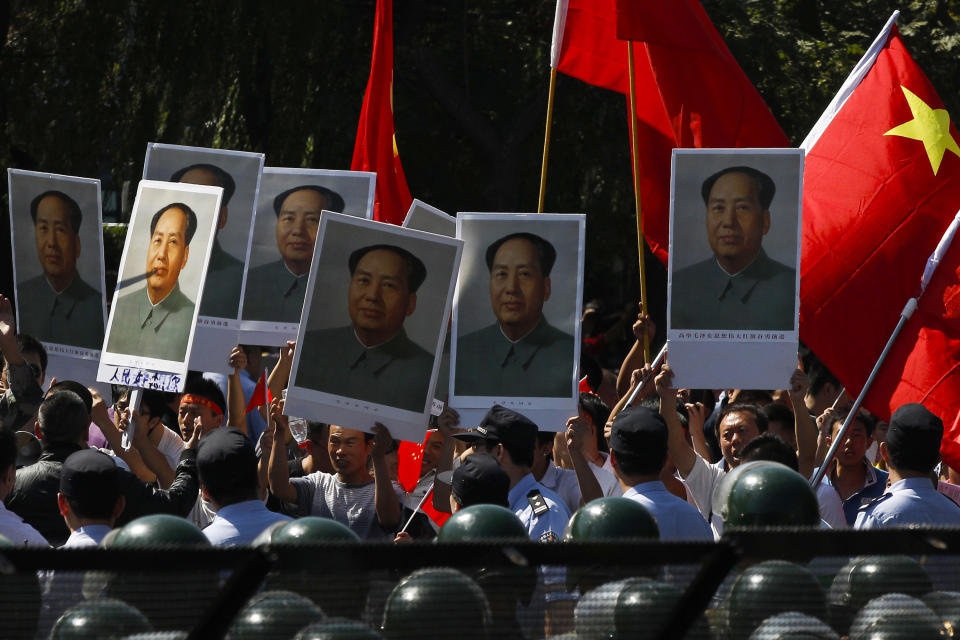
point(635, 161)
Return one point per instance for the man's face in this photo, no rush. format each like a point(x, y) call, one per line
point(188, 414)
point(58, 247)
point(199, 175)
point(736, 221)
point(431, 452)
point(736, 431)
point(855, 443)
point(167, 253)
point(379, 297)
point(348, 450)
point(518, 288)
point(297, 228)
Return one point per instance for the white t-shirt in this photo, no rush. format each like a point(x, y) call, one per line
point(171, 445)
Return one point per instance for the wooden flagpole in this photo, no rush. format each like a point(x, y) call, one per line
point(635, 160)
point(546, 139)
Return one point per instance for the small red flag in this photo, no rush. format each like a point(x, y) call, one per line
point(409, 462)
point(376, 145)
point(881, 185)
point(438, 517)
point(690, 90)
point(261, 394)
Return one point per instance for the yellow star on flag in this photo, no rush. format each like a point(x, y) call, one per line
point(929, 126)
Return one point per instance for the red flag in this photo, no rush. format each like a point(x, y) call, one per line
point(261, 394)
point(376, 145)
point(438, 517)
point(690, 90)
point(880, 187)
point(409, 461)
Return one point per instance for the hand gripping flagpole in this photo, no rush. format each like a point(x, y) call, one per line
point(635, 162)
point(932, 263)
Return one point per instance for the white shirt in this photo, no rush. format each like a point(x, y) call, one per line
point(701, 482)
point(88, 536)
point(240, 523)
point(170, 445)
point(14, 529)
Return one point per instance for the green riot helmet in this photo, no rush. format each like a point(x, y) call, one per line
point(635, 609)
point(337, 629)
point(158, 635)
point(611, 518)
point(946, 606)
point(793, 626)
point(313, 530)
point(606, 519)
point(265, 537)
point(99, 619)
point(157, 530)
point(769, 588)
point(482, 522)
point(436, 602)
point(274, 614)
point(765, 494)
point(896, 616)
point(868, 577)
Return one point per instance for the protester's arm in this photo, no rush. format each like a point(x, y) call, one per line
point(448, 419)
point(577, 433)
point(697, 417)
point(23, 397)
point(644, 326)
point(280, 375)
point(681, 453)
point(101, 417)
point(144, 499)
point(386, 500)
point(805, 430)
point(236, 404)
point(824, 422)
point(154, 459)
point(279, 474)
point(263, 462)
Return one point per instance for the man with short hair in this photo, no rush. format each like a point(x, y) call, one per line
point(372, 359)
point(857, 482)
point(89, 498)
point(275, 290)
point(638, 451)
point(227, 464)
point(12, 526)
point(58, 306)
point(367, 504)
point(520, 354)
point(739, 287)
point(478, 480)
point(511, 438)
point(911, 451)
point(155, 322)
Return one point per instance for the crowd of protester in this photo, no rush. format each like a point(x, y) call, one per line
point(75, 466)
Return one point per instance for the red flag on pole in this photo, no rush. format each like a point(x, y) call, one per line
point(376, 145)
point(690, 90)
point(880, 187)
point(409, 461)
point(261, 394)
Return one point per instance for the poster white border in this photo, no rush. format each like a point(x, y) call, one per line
point(419, 206)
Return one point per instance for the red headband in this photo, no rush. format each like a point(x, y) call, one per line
point(192, 399)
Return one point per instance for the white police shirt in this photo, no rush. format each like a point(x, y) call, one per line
point(909, 501)
point(547, 526)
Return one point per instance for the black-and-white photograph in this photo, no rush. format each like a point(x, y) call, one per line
point(734, 259)
point(374, 319)
point(285, 232)
point(55, 224)
point(423, 217)
point(162, 272)
point(516, 315)
point(238, 173)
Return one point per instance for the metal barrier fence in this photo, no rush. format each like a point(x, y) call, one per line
point(821, 583)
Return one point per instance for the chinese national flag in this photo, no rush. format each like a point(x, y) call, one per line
point(880, 188)
point(261, 394)
point(376, 145)
point(690, 90)
point(409, 461)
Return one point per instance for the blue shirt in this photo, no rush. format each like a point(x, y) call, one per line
point(909, 501)
point(677, 519)
point(241, 522)
point(547, 527)
point(872, 489)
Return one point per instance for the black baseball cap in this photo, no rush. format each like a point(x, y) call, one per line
point(503, 425)
point(480, 480)
point(89, 479)
point(225, 453)
point(638, 429)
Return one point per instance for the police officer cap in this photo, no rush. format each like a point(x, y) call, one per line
point(506, 426)
point(913, 425)
point(480, 480)
point(88, 479)
point(225, 452)
point(636, 430)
